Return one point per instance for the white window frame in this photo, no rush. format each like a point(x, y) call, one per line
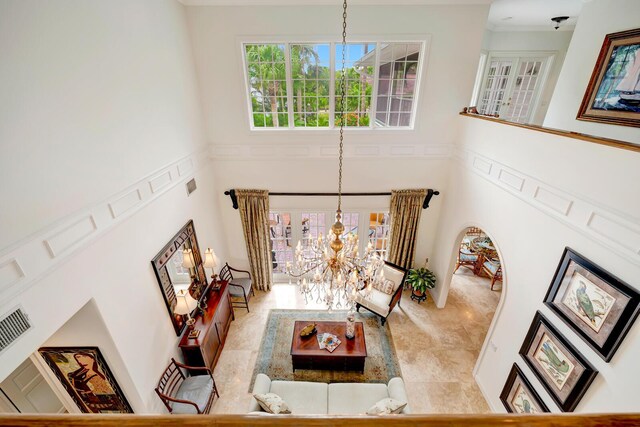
point(423, 39)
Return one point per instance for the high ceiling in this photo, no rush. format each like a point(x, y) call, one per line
point(325, 2)
point(532, 14)
point(504, 14)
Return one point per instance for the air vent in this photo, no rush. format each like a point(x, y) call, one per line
point(12, 326)
point(191, 186)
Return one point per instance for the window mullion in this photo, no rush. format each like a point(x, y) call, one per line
point(374, 90)
point(332, 85)
point(287, 58)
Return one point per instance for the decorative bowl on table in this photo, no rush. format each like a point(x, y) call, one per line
point(308, 330)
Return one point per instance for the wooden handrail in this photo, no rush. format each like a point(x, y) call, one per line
point(616, 143)
point(555, 420)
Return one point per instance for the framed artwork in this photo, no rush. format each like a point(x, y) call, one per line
point(613, 93)
point(519, 397)
point(564, 372)
point(87, 378)
point(595, 304)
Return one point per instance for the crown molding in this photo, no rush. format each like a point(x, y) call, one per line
point(315, 151)
point(331, 2)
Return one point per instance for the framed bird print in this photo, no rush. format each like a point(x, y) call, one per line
point(519, 397)
point(597, 305)
point(564, 372)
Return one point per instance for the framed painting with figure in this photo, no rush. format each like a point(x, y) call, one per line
point(518, 396)
point(85, 375)
point(597, 305)
point(561, 369)
point(613, 93)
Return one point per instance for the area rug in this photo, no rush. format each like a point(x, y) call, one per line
point(274, 358)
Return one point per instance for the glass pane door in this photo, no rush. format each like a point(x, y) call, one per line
point(527, 78)
point(281, 246)
point(496, 85)
point(379, 232)
point(313, 225)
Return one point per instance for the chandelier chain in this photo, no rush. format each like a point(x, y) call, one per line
point(343, 91)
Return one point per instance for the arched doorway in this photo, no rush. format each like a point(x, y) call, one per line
point(478, 276)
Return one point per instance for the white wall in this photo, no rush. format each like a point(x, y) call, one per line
point(87, 329)
point(597, 19)
point(532, 41)
point(98, 97)
point(94, 95)
point(533, 206)
point(307, 160)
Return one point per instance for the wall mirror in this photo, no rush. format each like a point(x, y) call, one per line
point(174, 274)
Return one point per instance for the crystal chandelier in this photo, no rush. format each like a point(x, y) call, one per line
point(331, 270)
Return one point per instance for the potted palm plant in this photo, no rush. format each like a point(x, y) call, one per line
point(420, 279)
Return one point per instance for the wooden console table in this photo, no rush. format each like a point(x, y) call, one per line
point(348, 356)
point(213, 326)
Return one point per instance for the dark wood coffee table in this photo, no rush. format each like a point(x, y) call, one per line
point(348, 356)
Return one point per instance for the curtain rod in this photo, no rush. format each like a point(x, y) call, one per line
point(234, 199)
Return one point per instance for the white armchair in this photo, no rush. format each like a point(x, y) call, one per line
point(382, 300)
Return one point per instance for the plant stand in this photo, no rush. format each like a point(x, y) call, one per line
point(419, 298)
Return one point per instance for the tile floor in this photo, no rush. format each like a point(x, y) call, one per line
point(437, 348)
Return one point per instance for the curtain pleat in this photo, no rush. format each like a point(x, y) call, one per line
point(254, 213)
point(405, 211)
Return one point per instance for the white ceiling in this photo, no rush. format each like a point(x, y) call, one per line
point(533, 14)
point(324, 2)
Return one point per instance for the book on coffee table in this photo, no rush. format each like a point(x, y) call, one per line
point(328, 341)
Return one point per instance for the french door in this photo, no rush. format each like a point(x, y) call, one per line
point(290, 226)
point(512, 85)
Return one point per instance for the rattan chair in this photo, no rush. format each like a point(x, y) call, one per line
point(466, 258)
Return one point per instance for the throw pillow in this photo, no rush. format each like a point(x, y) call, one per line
point(387, 286)
point(387, 406)
point(272, 403)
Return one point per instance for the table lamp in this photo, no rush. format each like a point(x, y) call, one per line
point(189, 262)
point(210, 262)
point(185, 305)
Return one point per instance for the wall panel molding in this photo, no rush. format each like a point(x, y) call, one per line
point(599, 222)
point(285, 151)
point(24, 263)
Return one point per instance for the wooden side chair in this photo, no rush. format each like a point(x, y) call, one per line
point(239, 287)
point(466, 258)
point(186, 394)
point(493, 269)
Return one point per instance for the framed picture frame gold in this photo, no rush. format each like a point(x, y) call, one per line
point(613, 93)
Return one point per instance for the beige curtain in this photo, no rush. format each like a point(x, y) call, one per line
point(254, 213)
point(405, 210)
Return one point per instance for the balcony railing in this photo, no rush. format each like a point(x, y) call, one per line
point(557, 420)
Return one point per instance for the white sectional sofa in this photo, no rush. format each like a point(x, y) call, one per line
point(308, 398)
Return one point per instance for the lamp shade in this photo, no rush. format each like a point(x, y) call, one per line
point(187, 258)
point(186, 304)
point(210, 259)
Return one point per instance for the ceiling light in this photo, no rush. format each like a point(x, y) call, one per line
point(559, 20)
